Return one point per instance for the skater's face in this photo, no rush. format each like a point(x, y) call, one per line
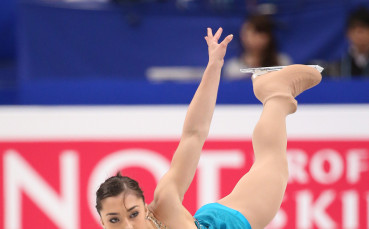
point(359, 37)
point(124, 211)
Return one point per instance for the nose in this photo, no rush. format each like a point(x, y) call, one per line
point(128, 225)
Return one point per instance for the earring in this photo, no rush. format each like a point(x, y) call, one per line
point(147, 215)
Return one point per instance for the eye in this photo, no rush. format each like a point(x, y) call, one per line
point(134, 215)
point(114, 220)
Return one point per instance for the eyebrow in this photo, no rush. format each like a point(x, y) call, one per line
point(132, 208)
point(114, 213)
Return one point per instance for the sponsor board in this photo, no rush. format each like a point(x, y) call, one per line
point(54, 158)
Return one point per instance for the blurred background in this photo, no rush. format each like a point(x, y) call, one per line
point(82, 81)
point(129, 52)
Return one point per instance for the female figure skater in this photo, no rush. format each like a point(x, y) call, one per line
point(257, 196)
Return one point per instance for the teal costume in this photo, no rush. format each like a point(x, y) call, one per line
point(218, 216)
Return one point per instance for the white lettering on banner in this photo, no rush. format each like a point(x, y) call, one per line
point(297, 163)
point(355, 164)
point(309, 212)
point(108, 166)
point(211, 162)
point(350, 209)
point(301, 168)
point(20, 177)
point(335, 166)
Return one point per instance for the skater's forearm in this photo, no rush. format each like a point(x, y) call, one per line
point(201, 109)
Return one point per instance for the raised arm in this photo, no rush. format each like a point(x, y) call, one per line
point(197, 123)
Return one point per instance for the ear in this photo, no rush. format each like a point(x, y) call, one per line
point(101, 221)
point(146, 210)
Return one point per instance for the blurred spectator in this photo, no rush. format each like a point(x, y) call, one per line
point(355, 62)
point(259, 48)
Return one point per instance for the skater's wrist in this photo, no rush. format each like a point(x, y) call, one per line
point(216, 63)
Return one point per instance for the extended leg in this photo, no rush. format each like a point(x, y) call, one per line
point(259, 193)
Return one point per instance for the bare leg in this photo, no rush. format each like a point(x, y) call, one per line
point(259, 193)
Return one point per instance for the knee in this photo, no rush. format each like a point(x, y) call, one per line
point(276, 165)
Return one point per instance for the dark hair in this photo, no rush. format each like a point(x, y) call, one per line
point(359, 17)
point(114, 186)
point(264, 24)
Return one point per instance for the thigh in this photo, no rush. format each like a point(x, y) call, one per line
point(259, 193)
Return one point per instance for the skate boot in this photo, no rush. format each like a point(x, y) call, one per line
point(288, 82)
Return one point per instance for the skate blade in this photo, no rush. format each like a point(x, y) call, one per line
point(263, 70)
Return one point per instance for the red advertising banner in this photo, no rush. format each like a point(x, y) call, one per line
point(53, 183)
point(52, 160)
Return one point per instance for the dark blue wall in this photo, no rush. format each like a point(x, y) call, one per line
point(98, 53)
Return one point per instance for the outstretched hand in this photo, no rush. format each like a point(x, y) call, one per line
point(217, 50)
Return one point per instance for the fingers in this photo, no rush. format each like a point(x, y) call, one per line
point(226, 40)
point(210, 33)
point(210, 38)
point(218, 33)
